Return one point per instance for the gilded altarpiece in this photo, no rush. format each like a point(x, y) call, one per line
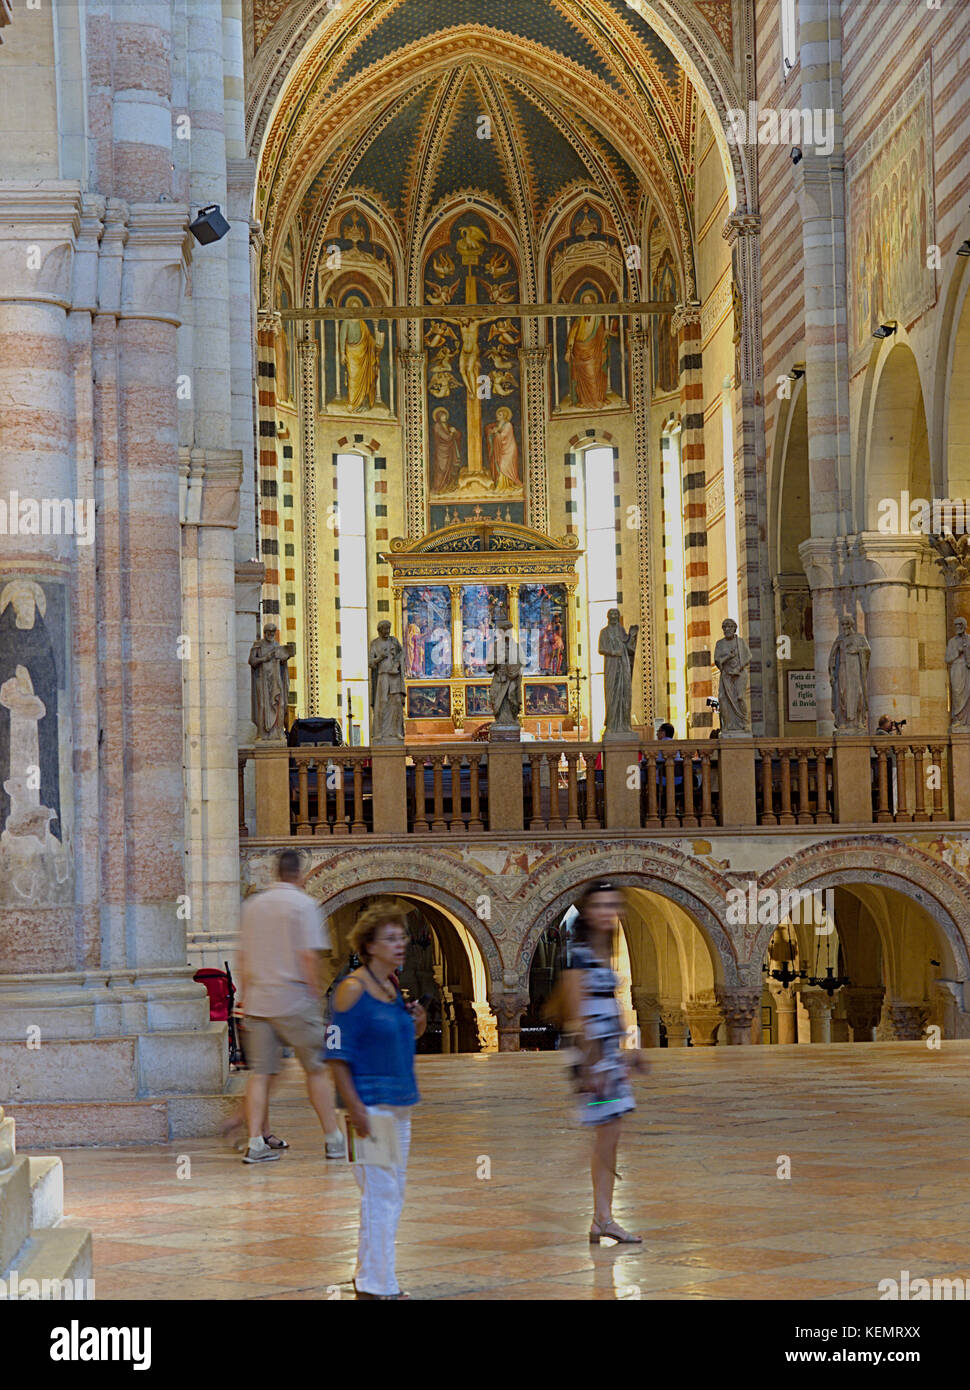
point(450, 590)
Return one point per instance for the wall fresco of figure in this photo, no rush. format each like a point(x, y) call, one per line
point(36, 746)
point(890, 193)
point(481, 606)
point(586, 266)
point(542, 628)
point(357, 353)
point(473, 383)
point(427, 632)
point(666, 368)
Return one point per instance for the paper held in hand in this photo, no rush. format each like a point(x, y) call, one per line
point(381, 1148)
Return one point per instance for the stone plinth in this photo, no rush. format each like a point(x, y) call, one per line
point(505, 809)
point(735, 764)
point(389, 784)
point(621, 783)
point(852, 778)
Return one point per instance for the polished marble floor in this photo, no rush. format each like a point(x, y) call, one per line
point(875, 1135)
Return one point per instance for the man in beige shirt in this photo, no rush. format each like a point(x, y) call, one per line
point(281, 938)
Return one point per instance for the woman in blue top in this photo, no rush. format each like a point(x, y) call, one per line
point(370, 1045)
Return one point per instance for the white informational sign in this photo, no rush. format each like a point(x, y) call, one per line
point(801, 695)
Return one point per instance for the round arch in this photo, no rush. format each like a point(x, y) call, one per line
point(700, 893)
point(333, 896)
point(881, 862)
point(894, 442)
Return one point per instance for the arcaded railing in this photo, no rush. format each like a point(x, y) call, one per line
point(568, 788)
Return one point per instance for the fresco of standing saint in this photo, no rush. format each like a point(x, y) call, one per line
point(360, 353)
point(503, 452)
point(587, 353)
point(446, 462)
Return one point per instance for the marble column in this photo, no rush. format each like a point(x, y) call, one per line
point(643, 451)
point(412, 403)
point(509, 1009)
point(786, 1014)
point(309, 359)
point(705, 1017)
point(40, 227)
point(647, 1008)
point(534, 366)
point(887, 569)
point(740, 1005)
point(742, 232)
point(210, 509)
point(820, 1006)
point(820, 187)
point(863, 1009)
point(686, 323)
point(675, 1023)
point(908, 1019)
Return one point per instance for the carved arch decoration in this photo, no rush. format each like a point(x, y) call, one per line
point(637, 112)
point(886, 862)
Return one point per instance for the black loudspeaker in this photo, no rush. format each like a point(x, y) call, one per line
point(210, 225)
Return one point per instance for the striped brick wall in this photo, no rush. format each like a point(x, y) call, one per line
point(268, 473)
point(687, 323)
point(885, 43)
point(782, 265)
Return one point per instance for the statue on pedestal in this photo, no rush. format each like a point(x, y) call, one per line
point(732, 659)
point(849, 674)
point(385, 658)
point(958, 661)
point(505, 662)
point(618, 649)
point(270, 686)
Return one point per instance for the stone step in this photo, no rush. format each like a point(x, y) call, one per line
point(15, 1210)
point(46, 1191)
point(152, 1120)
point(117, 1068)
point(49, 1258)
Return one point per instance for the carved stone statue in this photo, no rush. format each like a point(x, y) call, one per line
point(958, 661)
point(618, 649)
point(849, 674)
point(270, 685)
point(504, 660)
point(385, 657)
point(732, 659)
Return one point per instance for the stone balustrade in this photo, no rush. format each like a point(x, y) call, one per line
point(565, 788)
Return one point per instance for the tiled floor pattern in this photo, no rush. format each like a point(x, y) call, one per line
point(880, 1182)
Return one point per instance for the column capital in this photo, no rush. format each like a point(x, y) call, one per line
point(39, 226)
point(308, 348)
point(741, 224)
point(738, 1002)
point(817, 1002)
point(886, 559)
point(684, 314)
point(209, 486)
point(157, 255)
point(952, 554)
point(268, 321)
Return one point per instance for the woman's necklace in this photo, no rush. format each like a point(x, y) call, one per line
point(381, 984)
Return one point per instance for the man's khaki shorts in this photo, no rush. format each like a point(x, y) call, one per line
point(266, 1038)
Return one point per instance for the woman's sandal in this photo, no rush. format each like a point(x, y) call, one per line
point(613, 1232)
point(272, 1142)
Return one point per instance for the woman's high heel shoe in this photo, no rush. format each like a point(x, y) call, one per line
point(613, 1232)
